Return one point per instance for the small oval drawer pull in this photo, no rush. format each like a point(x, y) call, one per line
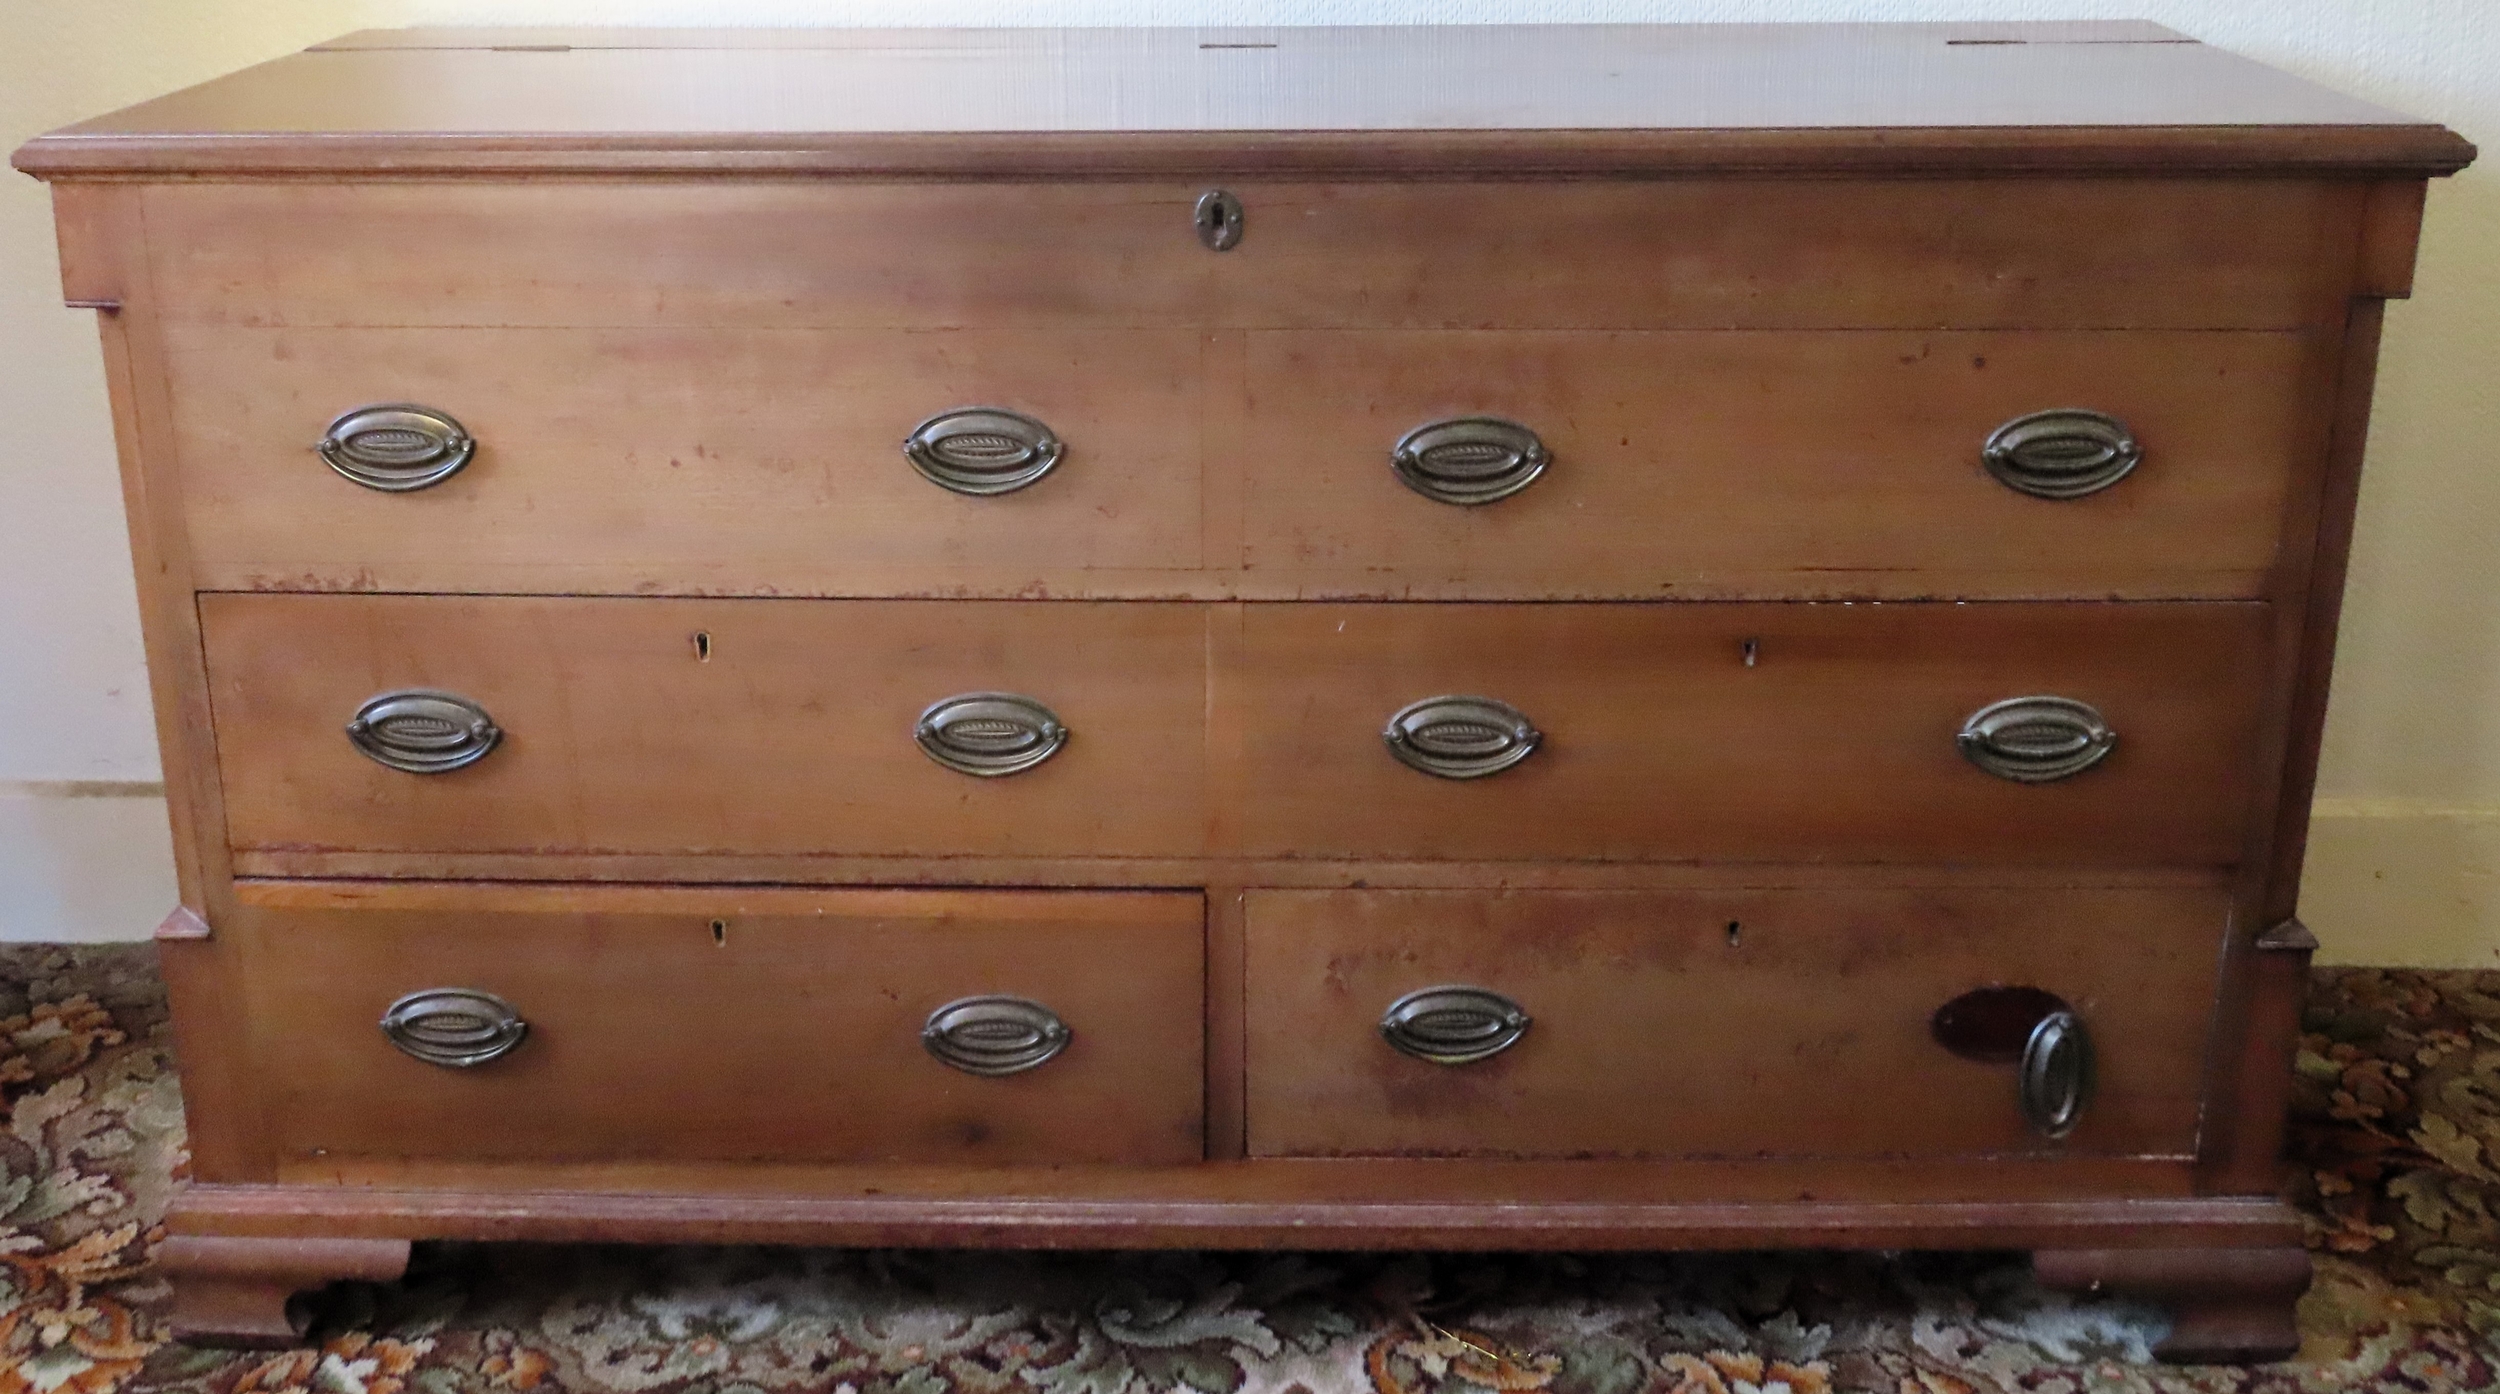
point(423, 732)
point(455, 1027)
point(1461, 737)
point(1470, 460)
point(2061, 454)
point(982, 450)
point(2057, 1074)
point(2036, 740)
point(1454, 1025)
point(989, 733)
point(994, 1035)
point(396, 447)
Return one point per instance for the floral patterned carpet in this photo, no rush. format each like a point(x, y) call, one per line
point(2399, 1135)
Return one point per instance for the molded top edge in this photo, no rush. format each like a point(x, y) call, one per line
point(1387, 101)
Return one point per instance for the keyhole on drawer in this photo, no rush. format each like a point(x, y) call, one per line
point(1735, 934)
point(703, 646)
point(1753, 651)
point(720, 933)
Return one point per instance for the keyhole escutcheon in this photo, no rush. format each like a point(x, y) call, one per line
point(1219, 220)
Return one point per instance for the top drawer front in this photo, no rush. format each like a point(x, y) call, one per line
point(1610, 255)
point(682, 460)
point(1684, 463)
point(1780, 463)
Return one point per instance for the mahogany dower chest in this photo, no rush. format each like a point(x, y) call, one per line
point(1612, 637)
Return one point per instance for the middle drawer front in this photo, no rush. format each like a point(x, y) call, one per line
point(729, 1025)
point(1748, 732)
point(721, 727)
point(1668, 732)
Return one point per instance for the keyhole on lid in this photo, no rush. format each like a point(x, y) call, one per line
point(720, 933)
point(1753, 651)
point(1219, 220)
point(1735, 934)
point(703, 646)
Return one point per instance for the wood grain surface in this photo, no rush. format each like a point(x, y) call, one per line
point(683, 460)
point(1837, 743)
point(239, 1291)
point(419, 880)
point(1660, 741)
point(793, 735)
point(1728, 1025)
point(104, 261)
point(1620, 99)
point(696, 461)
point(1676, 254)
point(1764, 290)
point(673, 1033)
point(1686, 456)
point(1209, 1216)
point(1308, 1182)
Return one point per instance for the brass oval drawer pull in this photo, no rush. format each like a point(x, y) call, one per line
point(1469, 460)
point(982, 450)
point(423, 732)
point(994, 1035)
point(2036, 740)
point(989, 733)
point(1453, 1025)
point(396, 447)
point(2058, 1073)
point(455, 1027)
point(1460, 737)
point(2061, 454)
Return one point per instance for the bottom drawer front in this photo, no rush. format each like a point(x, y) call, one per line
point(1717, 1023)
point(767, 1025)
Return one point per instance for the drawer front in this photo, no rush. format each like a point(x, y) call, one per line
point(1723, 1024)
point(734, 1026)
point(1680, 253)
point(1701, 463)
point(708, 460)
point(1746, 732)
point(686, 460)
point(728, 727)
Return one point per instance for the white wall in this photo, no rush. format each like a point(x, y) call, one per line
point(2408, 833)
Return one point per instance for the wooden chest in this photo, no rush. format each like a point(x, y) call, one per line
point(1635, 637)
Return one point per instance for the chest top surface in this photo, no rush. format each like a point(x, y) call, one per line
point(1624, 99)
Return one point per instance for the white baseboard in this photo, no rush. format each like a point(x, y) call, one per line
point(2404, 883)
point(2392, 882)
point(83, 862)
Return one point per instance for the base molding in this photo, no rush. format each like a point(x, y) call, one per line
point(2230, 1268)
point(233, 1291)
point(1243, 1207)
point(2227, 1306)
